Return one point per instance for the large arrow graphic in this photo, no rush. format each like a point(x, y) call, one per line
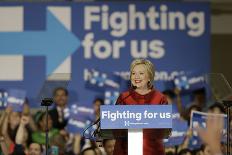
point(56, 43)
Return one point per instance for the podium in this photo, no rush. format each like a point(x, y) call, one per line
point(116, 119)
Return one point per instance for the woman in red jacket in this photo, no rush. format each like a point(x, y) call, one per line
point(142, 92)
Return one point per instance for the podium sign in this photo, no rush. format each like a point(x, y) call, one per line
point(136, 116)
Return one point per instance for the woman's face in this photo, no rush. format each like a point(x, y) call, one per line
point(139, 77)
point(43, 123)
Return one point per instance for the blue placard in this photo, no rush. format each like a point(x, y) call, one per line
point(16, 99)
point(136, 116)
point(3, 99)
point(78, 118)
point(100, 81)
point(111, 96)
point(179, 129)
point(199, 119)
point(190, 81)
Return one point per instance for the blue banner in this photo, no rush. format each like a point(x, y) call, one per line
point(136, 116)
point(77, 37)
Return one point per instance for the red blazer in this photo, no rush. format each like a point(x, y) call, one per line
point(152, 138)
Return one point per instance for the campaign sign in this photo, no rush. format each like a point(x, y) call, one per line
point(75, 37)
point(136, 116)
point(199, 119)
point(179, 129)
point(111, 96)
point(16, 99)
point(99, 81)
point(189, 81)
point(78, 118)
point(3, 98)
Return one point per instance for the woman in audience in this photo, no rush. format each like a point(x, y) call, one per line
point(10, 123)
point(40, 135)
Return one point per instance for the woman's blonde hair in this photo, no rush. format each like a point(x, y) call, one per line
point(149, 68)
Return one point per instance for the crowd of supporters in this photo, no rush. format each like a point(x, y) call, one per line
point(23, 133)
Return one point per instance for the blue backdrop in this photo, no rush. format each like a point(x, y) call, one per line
point(107, 37)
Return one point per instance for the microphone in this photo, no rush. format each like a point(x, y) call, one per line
point(99, 119)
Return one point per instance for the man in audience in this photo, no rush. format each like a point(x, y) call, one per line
point(60, 97)
point(199, 98)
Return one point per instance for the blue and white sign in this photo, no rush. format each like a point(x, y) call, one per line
point(189, 81)
point(16, 99)
point(3, 98)
point(136, 116)
point(198, 119)
point(79, 118)
point(179, 129)
point(100, 81)
point(111, 96)
point(75, 37)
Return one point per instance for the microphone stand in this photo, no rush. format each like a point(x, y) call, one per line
point(47, 102)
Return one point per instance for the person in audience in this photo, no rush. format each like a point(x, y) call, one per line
point(34, 149)
point(108, 145)
point(174, 98)
point(60, 97)
point(23, 134)
point(4, 148)
point(10, 123)
point(188, 112)
point(199, 98)
point(186, 141)
point(27, 112)
point(91, 151)
point(22, 137)
point(96, 107)
point(170, 150)
point(40, 135)
point(204, 150)
point(217, 108)
point(88, 151)
point(59, 142)
point(185, 152)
